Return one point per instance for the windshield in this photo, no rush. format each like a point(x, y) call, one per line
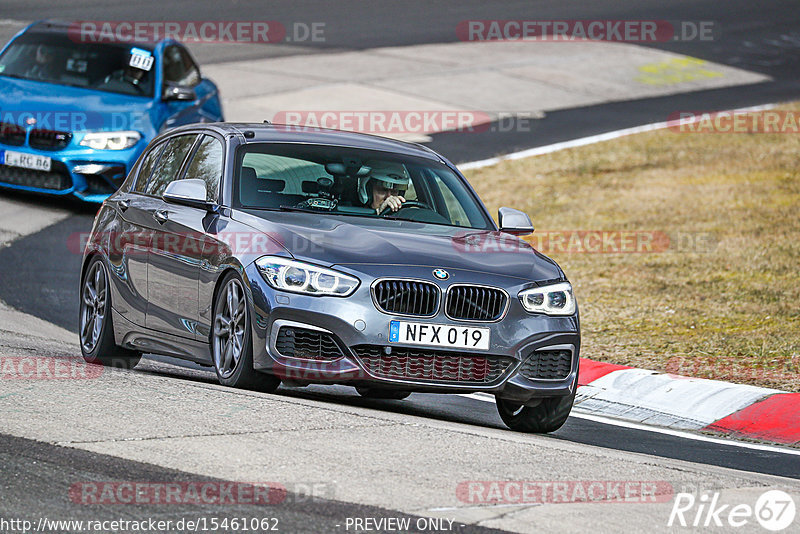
point(346, 181)
point(57, 59)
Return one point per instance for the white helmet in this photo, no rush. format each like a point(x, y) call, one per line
point(392, 175)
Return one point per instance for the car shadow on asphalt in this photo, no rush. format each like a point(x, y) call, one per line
point(63, 202)
point(440, 407)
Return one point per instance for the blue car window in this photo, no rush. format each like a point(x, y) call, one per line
point(206, 164)
point(179, 68)
point(55, 58)
point(170, 163)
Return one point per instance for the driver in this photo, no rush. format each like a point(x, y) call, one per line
point(44, 67)
point(384, 186)
point(128, 74)
point(121, 80)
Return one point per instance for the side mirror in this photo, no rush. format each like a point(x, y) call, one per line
point(178, 92)
point(514, 221)
point(189, 192)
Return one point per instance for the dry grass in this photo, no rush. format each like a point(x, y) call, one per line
point(729, 311)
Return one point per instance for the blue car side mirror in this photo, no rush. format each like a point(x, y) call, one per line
point(178, 92)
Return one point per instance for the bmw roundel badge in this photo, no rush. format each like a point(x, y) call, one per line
point(441, 274)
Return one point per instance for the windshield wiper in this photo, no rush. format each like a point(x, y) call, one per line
point(302, 210)
point(317, 212)
point(43, 80)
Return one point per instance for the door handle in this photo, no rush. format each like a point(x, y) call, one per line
point(123, 205)
point(160, 216)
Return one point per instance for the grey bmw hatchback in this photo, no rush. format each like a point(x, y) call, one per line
point(283, 254)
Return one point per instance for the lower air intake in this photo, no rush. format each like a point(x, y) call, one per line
point(432, 365)
point(547, 365)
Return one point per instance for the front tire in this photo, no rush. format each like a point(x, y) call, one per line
point(96, 329)
point(231, 345)
point(547, 416)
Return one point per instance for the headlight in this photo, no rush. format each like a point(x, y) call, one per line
point(556, 299)
point(300, 277)
point(110, 140)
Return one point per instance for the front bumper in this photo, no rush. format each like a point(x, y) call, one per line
point(355, 322)
point(90, 175)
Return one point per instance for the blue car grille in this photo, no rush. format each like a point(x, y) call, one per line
point(306, 344)
point(547, 365)
point(57, 179)
point(407, 297)
point(11, 134)
point(49, 139)
point(475, 303)
point(432, 365)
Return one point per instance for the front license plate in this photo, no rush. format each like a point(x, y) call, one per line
point(26, 161)
point(439, 335)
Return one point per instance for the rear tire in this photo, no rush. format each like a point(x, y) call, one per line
point(378, 393)
point(231, 345)
point(96, 329)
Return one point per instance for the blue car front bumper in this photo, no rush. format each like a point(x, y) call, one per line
point(90, 175)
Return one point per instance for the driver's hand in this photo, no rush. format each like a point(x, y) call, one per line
point(393, 202)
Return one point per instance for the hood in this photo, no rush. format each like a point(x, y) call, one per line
point(350, 241)
point(62, 107)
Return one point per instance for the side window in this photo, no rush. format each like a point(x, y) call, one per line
point(169, 164)
point(206, 164)
point(179, 68)
point(146, 168)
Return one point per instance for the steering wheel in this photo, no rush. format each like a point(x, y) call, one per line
point(129, 82)
point(135, 84)
point(406, 204)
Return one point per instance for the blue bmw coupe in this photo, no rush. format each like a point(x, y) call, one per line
point(76, 111)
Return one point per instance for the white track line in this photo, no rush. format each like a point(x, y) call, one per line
point(658, 430)
point(583, 141)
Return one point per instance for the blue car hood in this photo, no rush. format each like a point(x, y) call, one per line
point(342, 240)
point(99, 110)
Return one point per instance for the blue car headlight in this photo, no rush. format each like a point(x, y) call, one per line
point(556, 299)
point(301, 277)
point(110, 140)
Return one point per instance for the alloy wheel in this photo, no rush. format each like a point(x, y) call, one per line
point(229, 328)
point(93, 306)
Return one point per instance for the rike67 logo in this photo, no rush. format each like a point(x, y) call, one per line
point(774, 510)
